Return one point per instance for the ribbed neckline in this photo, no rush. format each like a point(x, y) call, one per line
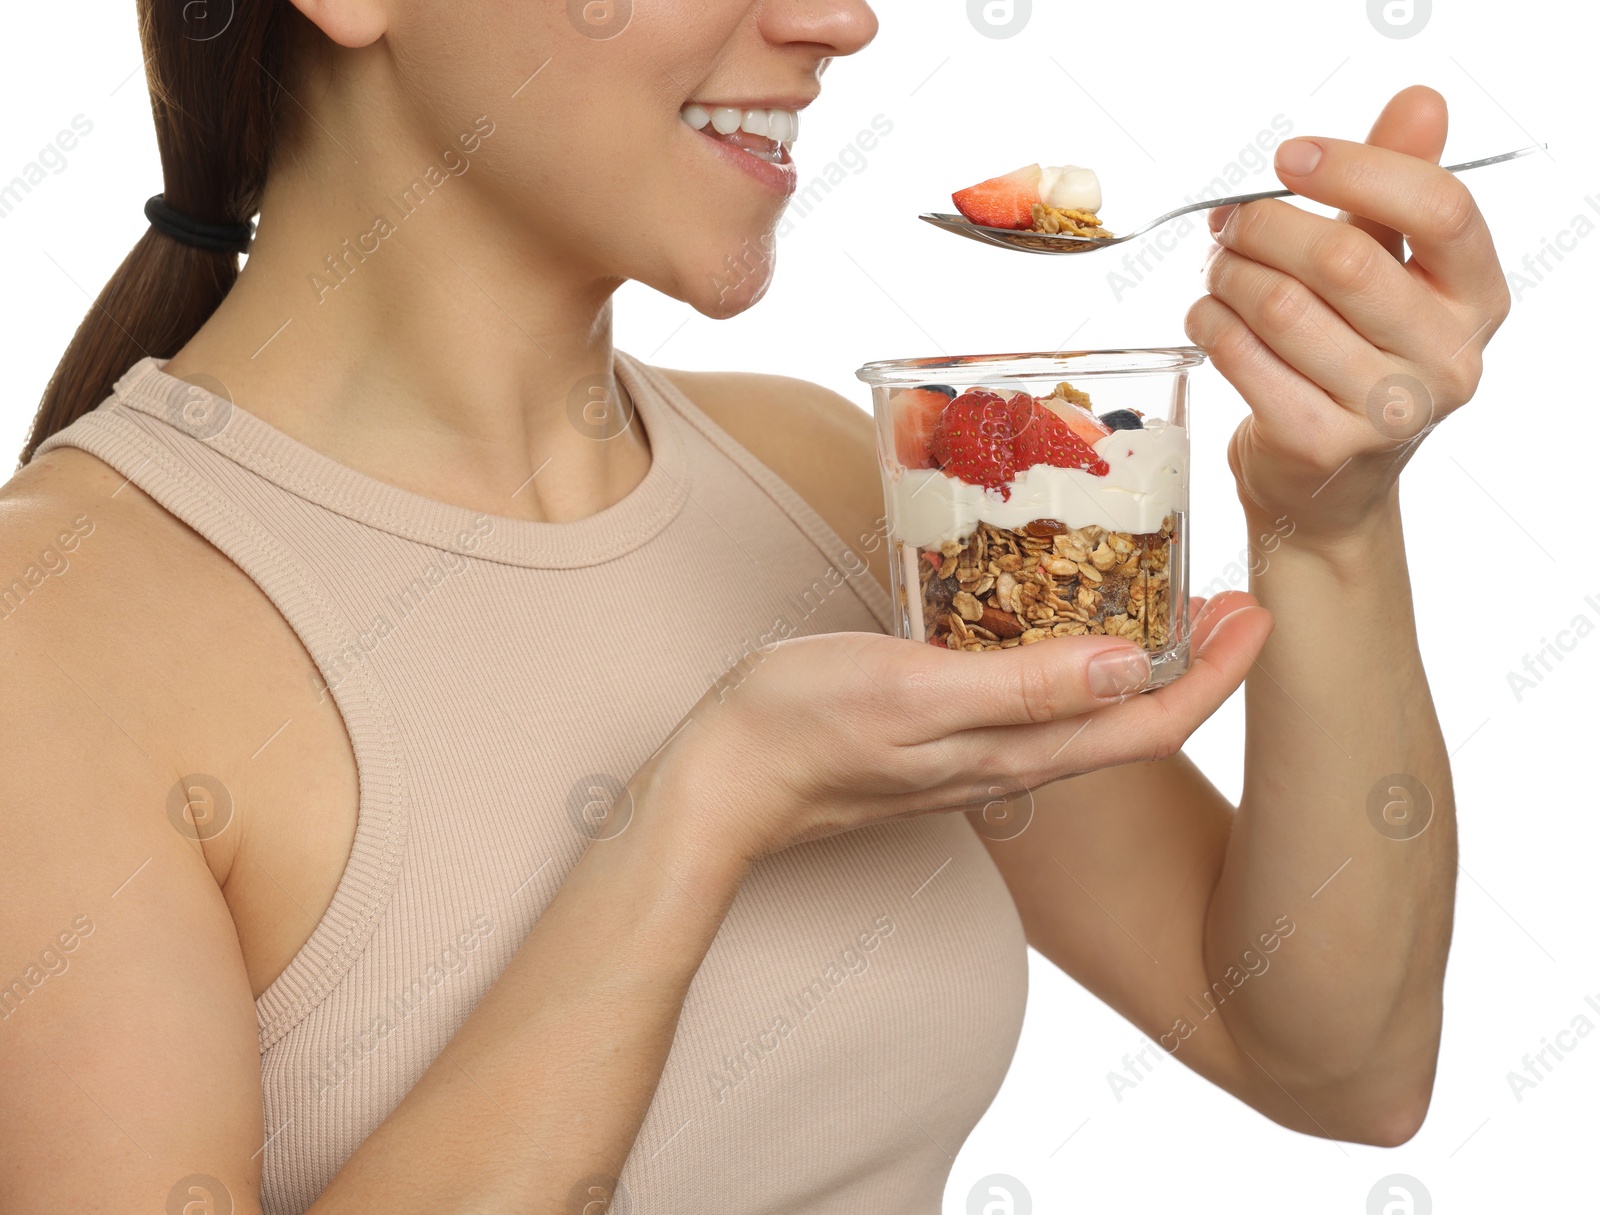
point(270, 453)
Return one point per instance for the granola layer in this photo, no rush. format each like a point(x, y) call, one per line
point(1052, 221)
point(1002, 587)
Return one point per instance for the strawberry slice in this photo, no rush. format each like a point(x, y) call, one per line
point(1002, 202)
point(914, 413)
point(972, 441)
point(1079, 420)
point(1045, 437)
point(1020, 407)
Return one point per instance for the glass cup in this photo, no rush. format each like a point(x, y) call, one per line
point(1037, 495)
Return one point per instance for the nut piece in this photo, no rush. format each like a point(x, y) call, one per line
point(1003, 624)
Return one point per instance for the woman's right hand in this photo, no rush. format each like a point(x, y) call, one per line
point(823, 734)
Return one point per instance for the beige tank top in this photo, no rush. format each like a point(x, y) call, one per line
point(858, 1009)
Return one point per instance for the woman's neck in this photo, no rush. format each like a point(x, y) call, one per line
point(391, 322)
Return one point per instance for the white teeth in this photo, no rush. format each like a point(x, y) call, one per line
point(780, 126)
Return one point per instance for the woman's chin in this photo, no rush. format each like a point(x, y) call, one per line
point(724, 294)
point(718, 281)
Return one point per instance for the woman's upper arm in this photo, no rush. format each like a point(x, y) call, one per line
point(128, 1048)
point(1112, 878)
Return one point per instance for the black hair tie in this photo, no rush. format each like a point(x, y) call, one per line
point(217, 238)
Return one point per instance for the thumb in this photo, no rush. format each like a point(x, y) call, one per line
point(1415, 123)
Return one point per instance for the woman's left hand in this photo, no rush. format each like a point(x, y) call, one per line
point(1345, 352)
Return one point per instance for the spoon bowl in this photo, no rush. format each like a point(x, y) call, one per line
point(1039, 242)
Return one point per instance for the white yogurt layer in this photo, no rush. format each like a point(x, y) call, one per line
point(1148, 480)
point(1069, 188)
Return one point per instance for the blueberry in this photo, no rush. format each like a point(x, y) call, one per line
point(1122, 419)
point(944, 388)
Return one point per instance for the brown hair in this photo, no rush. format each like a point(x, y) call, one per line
point(217, 74)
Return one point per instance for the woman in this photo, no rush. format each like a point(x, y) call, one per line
point(371, 821)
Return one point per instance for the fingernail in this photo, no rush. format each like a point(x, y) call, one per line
point(1117, 673)
point(1298, 157)
point(1219, 216)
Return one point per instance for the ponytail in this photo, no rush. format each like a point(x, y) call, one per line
point(216, 69)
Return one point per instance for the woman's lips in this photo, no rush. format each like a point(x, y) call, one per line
point(763, 159)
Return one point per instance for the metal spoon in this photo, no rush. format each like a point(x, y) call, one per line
point(1039, 242)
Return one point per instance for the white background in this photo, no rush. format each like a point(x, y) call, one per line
point(1159, 98)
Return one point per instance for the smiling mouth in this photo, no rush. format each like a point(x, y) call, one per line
point(765, 134)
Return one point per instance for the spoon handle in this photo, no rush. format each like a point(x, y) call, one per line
point(1212, 203)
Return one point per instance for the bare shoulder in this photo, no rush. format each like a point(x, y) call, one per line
point(62, 514)
point(114, 606)
point(822, 444)
point(80, 555)
point(82, 551)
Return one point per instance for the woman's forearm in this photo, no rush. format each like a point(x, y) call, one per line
point(548, 1080)
point(1346, 827)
